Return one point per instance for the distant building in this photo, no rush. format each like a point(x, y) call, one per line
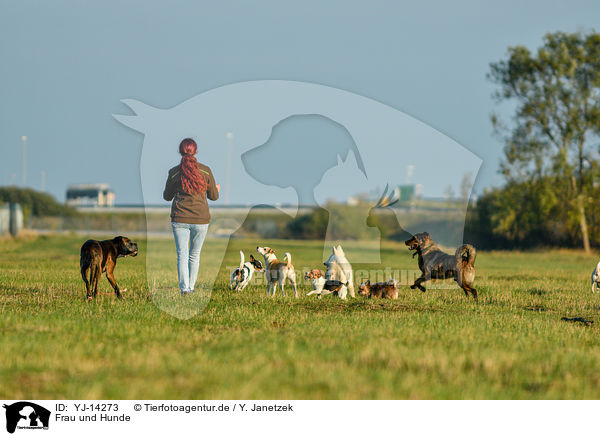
point(407, 193)
point(98, 194)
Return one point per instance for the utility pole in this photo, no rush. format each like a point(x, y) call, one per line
point(24, 167)
point(229, 137)
point(43, 181)
point(410, 170)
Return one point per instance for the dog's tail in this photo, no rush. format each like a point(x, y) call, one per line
point(288, 258)
point(84, 257)
point(468, 253)
point(242, 259)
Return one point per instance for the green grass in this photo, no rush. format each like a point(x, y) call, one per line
point(512, 344)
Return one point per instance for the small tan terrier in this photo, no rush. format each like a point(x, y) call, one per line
point(387, 289)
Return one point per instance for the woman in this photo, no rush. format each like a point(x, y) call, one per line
point(189, 184)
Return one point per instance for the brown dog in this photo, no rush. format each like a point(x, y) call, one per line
point(101, 256)
point(435, 264)
point(387, 289)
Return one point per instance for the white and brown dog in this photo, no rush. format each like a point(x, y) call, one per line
point(322, 286)
point(243, 274)
point(277, 271)
point(344, 272)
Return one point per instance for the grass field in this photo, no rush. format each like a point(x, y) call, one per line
point(512, 344)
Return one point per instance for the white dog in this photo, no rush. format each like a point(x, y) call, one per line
point(243, 274)
point(277, 271)
point(337, 255)
point(596, 277)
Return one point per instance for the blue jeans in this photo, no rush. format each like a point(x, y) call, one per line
point(188, 241)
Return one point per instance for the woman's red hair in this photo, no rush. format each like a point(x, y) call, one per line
point(192, 180)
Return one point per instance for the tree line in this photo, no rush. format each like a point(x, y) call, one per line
point(34, 203)
point(551, 145)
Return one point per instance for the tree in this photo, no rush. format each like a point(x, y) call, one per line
point(465, 186)
point(555, 130)
point(449, 194)
point(33, 202)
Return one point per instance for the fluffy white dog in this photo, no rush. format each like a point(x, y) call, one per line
point(338, 257)
point(596, 277)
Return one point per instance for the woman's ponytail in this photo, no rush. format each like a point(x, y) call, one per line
point(192, 180)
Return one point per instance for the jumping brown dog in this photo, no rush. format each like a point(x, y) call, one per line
point(435, 264)
point(101, 256)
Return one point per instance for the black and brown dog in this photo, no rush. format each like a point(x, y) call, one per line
point(387, 289)
point(435, 264)
point(101, 256)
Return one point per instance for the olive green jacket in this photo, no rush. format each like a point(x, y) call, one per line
point(189, 208)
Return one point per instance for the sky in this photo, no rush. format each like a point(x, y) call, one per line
point(66, 66)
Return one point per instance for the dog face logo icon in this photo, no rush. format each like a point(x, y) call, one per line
point(279, 143)
point(26, 415)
